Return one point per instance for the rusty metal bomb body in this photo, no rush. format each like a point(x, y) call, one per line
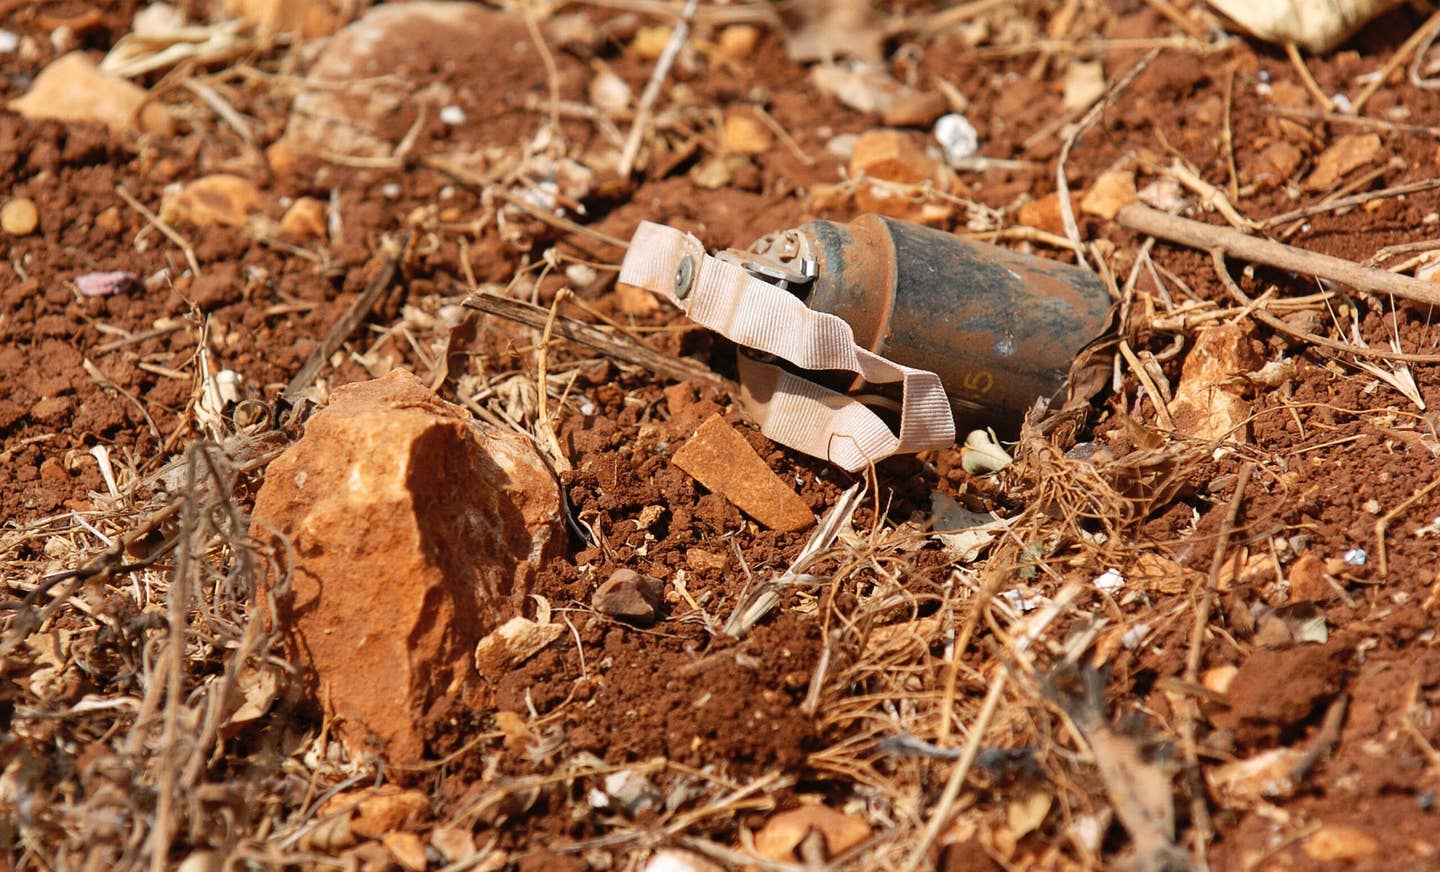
point(1000, 328)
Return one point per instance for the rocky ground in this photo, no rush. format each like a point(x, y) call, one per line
point(354, 516)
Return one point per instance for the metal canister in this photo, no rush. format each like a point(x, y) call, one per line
point(1000, 328)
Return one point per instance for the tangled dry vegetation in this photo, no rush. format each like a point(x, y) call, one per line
point(1063, 664)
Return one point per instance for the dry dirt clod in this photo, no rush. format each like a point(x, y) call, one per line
point(630, 596)
point(719, 458)
point(1308, 579)
point(413, 532)
point(19, 217)
point(72, 88)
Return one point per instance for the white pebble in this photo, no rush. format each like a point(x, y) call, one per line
point(1356, 557)
point(8, 42)
point(452, 115)
point(1110, 581)
point(390, 190)
point(957, 137)
point(1341, 103)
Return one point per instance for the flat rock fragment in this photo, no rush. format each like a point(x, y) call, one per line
point(412, 532)
point(1208, 403)
point(72, 88)
point(719, 458)
point(1346, 153)
point(630, 596)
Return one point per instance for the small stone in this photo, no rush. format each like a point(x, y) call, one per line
point(783, 833)
point(630, 596)
point(72, 88)
point(453, 843)
point(738, 41)
point(1336, 843)
point(1219, 678)
point(958, 138)
point(1108, 194)
point(1084, 84)
point(375, 811)
point(106, 284)
point(650, 42)
point(609, 93)
point(306, 18)
point(221, 200)
point(1344, 154)
point(912, 108)
point(630, 300)
point(743, 133)
point(201, 861)
point(19, 217)
point(305, 219)
point(676, 860)
point(1044, 214)
point(514, 642)
point(701, 560)
point(109, 221)
point(218, 286)
point(890, 155)
point(1267, 776)
point(414, 532)
point(719, 458)
point(1207, 403)
point(893, 156)
point(407, 849)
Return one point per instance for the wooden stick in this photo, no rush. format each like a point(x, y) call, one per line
point(1208, 237)
point(1260, 314)
point(624, 350)
point(1347, 202)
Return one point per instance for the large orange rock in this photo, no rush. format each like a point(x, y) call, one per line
point(72, 88)
point(413, 532)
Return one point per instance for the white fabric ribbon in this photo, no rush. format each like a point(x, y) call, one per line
point(790, 409)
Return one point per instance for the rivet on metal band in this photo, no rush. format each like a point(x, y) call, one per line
point(684, 277)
